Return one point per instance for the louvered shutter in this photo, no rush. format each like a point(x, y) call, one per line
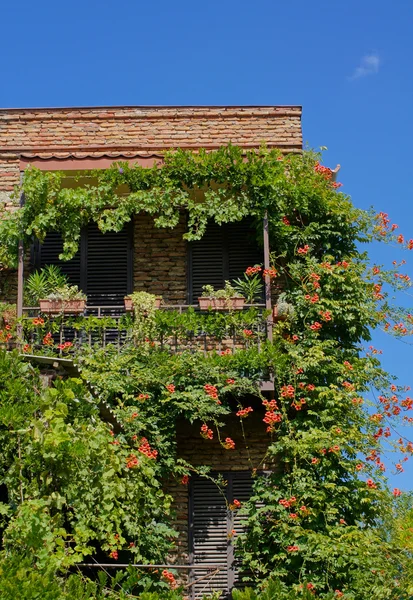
point(102, 267)
point(243, 249)
point(242, 491)
point(108, 266)
point(211, 526)
point(207, 261)
point(224, 252)
point(48, 254)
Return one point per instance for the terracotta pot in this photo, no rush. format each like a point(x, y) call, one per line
point(9, 315)
point(276, 317)
point(235, 303)
point(129, 303)
point(62, 306)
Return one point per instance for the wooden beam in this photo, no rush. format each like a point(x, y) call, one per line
point(20, 274)
point(268, 304)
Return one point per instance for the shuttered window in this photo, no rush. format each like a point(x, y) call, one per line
point(108, 266)
point(102, 267)
point(224, 252)
point(211, 527)
point(48, 254)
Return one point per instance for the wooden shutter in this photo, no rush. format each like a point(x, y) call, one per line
point(209, 530)
point(207, 261)
point(108, 266)
point(48, 254)
point(224, 252)
point(243, 249)
point(211, 526)
point(102, 267)
point(242, 491)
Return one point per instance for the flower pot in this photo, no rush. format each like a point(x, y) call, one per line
point(278, 317)
point(62, 306)
point(207, 303)
point(9, 315)
point(129, 303)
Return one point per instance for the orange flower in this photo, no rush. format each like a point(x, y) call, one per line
point(229, 444)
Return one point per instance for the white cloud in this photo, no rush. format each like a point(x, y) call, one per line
point(370, 64)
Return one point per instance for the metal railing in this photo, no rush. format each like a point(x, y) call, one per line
point(220, 331)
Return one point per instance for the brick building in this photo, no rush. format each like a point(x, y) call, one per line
point(159, 261)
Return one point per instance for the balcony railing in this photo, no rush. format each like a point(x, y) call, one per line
point(175, 328)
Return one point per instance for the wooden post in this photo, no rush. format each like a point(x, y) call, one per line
point(20, 275)
point(268, 305)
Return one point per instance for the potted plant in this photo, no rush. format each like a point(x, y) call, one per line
point(42, 283)
point(136, 298)
point(144, 306)
point(225, 298)
point(8, 312)
point(65, 299)
point(283, 310)
point(251, 286)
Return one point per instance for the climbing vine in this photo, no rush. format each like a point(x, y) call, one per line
point(317, 523)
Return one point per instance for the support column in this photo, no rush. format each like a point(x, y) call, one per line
point(268, 304)
point(20, 275)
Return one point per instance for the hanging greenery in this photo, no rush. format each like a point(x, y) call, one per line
point(319, 523)
point(222, 186)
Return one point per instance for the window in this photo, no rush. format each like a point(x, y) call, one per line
point(102, 267)
point(211, 525)
point(224, 252)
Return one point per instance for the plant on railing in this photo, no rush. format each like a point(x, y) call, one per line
point(66, 293)
point(144, 311)
point(251, 286)
point(8, 313)
point(226, 298)
point(283, 310)
point(67, 298)
point(42, 283)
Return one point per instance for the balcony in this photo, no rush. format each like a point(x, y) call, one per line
point(175, 329)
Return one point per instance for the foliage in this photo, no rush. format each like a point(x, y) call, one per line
point(250, 286)
point(42, 283)
point(66, 293)
point(8, 312)
point(284, 309)
point(275, 590)
point(233, 185)
point(144, 307)
point(70, 485)
point(317, 521)
point(398, 528)
point(226, 293)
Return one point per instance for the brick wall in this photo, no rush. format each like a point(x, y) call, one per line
point(64, 138)
point(248, 454)
point(54, 132)
point(9, 174)
point(159, 260)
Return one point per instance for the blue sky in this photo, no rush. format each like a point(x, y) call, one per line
point(349, 65)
